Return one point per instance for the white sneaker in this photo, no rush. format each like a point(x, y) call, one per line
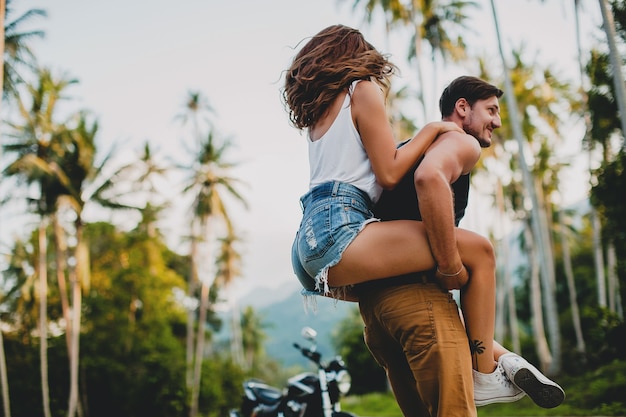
point(544, 392)
point(494, 388)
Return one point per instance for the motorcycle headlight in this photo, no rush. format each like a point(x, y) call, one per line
point(344, 381)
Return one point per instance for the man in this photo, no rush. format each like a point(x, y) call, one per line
point(412, 324)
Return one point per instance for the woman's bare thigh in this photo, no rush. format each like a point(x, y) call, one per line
point(383, 249)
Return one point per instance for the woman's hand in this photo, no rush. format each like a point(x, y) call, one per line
point(452, 280)
point(443, 127)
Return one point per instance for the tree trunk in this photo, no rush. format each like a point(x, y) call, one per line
point(80, 278)
point(3, 378)
point(420, 70)
point(596, 226)
point(618, 77)
point(3, 364)
point(191, 287)
point(42, 270)
point(3, 9)
point(598, 257)
point(508, 290)
point(236, 344)
point(199, 354)
point(61, 251)
point(541, 344)
point(548, 280)
point(205, 286)
point(571, 285)
point(513, 323)
point(615, 300)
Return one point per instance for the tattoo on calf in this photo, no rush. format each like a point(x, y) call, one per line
point(476, 347)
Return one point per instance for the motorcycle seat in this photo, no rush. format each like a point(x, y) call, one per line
point(265, 394)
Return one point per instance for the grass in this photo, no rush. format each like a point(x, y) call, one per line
point(384, 405)
point(601, 392)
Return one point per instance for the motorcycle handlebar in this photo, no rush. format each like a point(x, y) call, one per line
point(310, 354)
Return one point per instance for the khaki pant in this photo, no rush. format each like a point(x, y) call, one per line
point(414, 331)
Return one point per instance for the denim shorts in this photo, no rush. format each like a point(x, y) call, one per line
point(333, 214)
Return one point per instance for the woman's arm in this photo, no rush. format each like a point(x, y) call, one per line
point(389, 163)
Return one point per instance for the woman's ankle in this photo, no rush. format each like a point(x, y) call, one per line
point(486, 368)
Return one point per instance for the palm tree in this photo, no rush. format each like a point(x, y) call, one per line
point(19, 297)
point(618, 15)
point(39, 146)
point(82, 182)
point(208, 184)
point(3, 9)
point(587, 140)
point(253, 337)
point(537, 93)
point(229, 267)
point(435, 23)
point(571, 284)
point(616, 61)
point(505, 290)
point(16, 51)
point(538, 222)
point(4, 383)
point(431, 22)
point(603, 107)
point(88, 184)
point(79, 163)
point(603, 97)
point(4, 380)
point(196, 110)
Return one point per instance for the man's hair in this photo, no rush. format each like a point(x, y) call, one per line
point(470, 88)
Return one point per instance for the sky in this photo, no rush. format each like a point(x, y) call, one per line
point(136, 61)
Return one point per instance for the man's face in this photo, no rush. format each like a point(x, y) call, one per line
point(481, 120)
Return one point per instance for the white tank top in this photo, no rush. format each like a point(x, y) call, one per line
point(339, 155)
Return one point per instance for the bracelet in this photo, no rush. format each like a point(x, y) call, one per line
point(450, 275)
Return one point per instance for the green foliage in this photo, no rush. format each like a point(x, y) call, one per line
point(603, 389)
point(132, 361)
point(367, 375)
point(132, 341)
point(611, 177)
point(604, 195)
point(604, 335)
point(221, 387)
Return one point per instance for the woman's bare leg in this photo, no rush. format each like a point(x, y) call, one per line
point(393, 248)
point(383, 249)
point(478, 298)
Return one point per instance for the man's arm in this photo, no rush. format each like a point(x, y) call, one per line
point(453, 155)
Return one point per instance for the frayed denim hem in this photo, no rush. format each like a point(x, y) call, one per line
point(321, 280)
point(310, 297)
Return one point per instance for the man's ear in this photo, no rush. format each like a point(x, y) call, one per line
point(461, 107)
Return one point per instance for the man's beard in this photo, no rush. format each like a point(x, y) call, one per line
point(484, 143)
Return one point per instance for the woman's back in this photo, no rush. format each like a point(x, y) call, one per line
point(339, 155)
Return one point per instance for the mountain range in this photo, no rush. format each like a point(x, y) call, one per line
point(284, 314)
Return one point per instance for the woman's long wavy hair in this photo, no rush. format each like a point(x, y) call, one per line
point(325, 67)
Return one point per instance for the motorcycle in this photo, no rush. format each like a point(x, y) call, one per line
point(306, 395)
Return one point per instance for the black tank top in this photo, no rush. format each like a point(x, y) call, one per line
point(401, 203)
